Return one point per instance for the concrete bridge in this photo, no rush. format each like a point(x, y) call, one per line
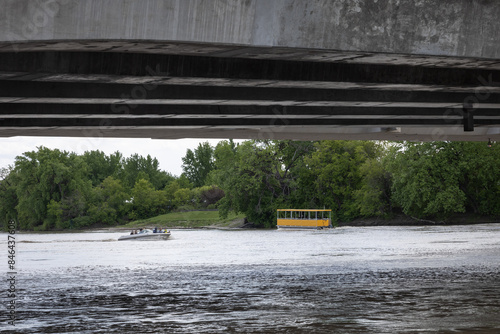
point(298, 69)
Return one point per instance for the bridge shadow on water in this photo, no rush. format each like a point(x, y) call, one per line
point(261, 299)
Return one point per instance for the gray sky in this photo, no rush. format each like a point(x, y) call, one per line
point(168, 152)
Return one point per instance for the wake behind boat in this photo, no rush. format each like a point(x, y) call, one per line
point(146, 234)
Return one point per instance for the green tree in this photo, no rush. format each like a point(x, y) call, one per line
point(50, 175)
point(109, 202)
point(100, 166)
point(426, 179)
point(8, 196)
point(137, 167)
point(183, 196)
point(172, 187)
point(225, 157)
point(146, 201)
point(183, 182)
point(260, 178)
point(374, 196)
point(142, 199)
point(480, 177)
point(198, 164)
point(333, 171)
point(438, 179)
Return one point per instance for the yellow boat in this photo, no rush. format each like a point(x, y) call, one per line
point(303, 219)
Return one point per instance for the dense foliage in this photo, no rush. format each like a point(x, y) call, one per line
point(358, 178)
point(438, 179)
point(198, 164)
point(52, 189)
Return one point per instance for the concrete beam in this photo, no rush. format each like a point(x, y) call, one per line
point(149, 91)
point(458, 28)
point(39, 64)
point(416, 133)
point(281, 69)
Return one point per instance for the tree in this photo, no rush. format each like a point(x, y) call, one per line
point(480, 177)
point(137, 167)
point(146, 201)
point(225, 156)
point(198, 164)
point(426, 179)
point(374, 196)
point(109, 202)
point(50, 176)
point(8, 196)
point(100, 166)
point(333, 171)
point(438, 179)
point(182, 197)
point(210, 195)
point(260, 178)
point(47, 189)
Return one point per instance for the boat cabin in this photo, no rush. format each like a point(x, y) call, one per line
point(304, 218)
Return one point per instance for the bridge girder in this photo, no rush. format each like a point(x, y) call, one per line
point(226, 71)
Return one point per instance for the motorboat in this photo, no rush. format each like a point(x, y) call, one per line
point(146, 234)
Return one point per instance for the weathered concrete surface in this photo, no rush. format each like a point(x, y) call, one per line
point(279, 69)
point(460, 28)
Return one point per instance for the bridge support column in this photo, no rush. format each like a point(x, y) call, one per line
point(468, 117)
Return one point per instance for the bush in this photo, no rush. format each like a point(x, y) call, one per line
point(81, 222)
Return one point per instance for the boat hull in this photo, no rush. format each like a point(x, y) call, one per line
point(290, 227)
point(145, 236)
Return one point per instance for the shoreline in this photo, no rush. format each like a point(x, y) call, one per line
point(360, 222)
point(243, 224)
point(403, 220)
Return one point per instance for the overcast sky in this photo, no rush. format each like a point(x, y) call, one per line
point(168, 152)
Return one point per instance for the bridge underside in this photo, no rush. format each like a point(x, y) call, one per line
point(206, 90)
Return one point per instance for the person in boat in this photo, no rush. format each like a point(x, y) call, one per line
point(155, 230)
point(132, 232)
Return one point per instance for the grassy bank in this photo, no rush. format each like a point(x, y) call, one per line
point(190, 219)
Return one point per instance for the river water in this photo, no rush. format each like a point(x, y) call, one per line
point(432, 279)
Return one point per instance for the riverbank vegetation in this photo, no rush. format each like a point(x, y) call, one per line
point(189, 219)
point(51, 189)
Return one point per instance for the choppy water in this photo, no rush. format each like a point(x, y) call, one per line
point(350, 280)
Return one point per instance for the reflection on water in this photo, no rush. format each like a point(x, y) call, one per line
point(349, 280)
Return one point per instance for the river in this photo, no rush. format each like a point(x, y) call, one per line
point(430, 279)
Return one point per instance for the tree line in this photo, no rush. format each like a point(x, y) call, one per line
point(51, 189)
